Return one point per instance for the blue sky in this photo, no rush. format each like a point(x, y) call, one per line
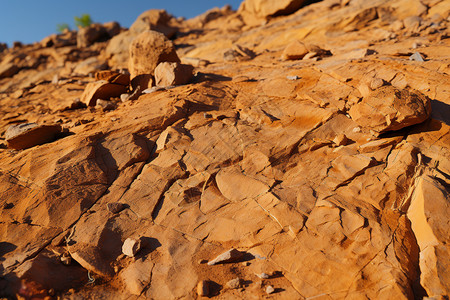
point(29, 21)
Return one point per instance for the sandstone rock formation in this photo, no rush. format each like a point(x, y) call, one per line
point(328, 175)
point(149, 49)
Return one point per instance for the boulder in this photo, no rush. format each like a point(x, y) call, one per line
point(388, 108)
point(23, 136)
point(167, 74)
point(148, 50)
point(101, 89)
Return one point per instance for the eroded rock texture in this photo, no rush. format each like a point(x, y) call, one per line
point(327, 172)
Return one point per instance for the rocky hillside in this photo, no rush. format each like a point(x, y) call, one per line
point(284, 151)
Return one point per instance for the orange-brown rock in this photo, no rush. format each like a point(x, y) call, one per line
point(327, 176)
point(148, 50)
point(101, 89)
point(168, 74)
point(294, 50)
point(388, 108)
point(28, 135)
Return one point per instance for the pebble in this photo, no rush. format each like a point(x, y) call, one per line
point(340, 140)
point(131, 247)
point(376, 83)
point(105, 104)
point(263, 276)
point(270, 289)
point(229, 256)
point(246, 263)
point(295, 77)
point(203, 288)
point(116, 207)
point(234, 283)
point(416, 57)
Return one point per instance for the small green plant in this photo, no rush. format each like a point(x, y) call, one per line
point(62, 27)
point(83, 21)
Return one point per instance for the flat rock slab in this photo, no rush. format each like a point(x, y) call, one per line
point(28, 135)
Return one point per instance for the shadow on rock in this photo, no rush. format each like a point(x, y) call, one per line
point(148, 246)
point(440, 111)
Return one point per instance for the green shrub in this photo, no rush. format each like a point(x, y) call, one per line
point(83, 21)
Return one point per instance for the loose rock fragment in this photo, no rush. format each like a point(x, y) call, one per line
point(340, 140)
point(101, 90)
point(131, 247)
point(263, 276)
point(295, 50)
point(416, 57)
point(28, 135)
point(116, 207)
point(389, 108)
point(168, 74)
point(105, 104)
point(231, 255)
point(203, 288)
point(269, 289)
point(376, 83)
point(234, 283)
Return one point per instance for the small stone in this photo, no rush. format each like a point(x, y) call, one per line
point(340, 140)
point(295, 77)
point(124, 97)
point(105, 104)
point(416, 57)
point(203, 288)
point(234, 283)
point(295, 50)
point(116, 207)
point(270, 289)
point(376, 83)
point(173, 73)
point(246, 263)
point(263, 276)
point(229, 256)
point(356, 129)
point(131, 247)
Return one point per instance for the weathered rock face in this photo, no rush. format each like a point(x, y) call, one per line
point(265, 175)
point(148, 50)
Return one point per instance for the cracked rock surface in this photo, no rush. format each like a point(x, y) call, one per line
point(249, 155)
